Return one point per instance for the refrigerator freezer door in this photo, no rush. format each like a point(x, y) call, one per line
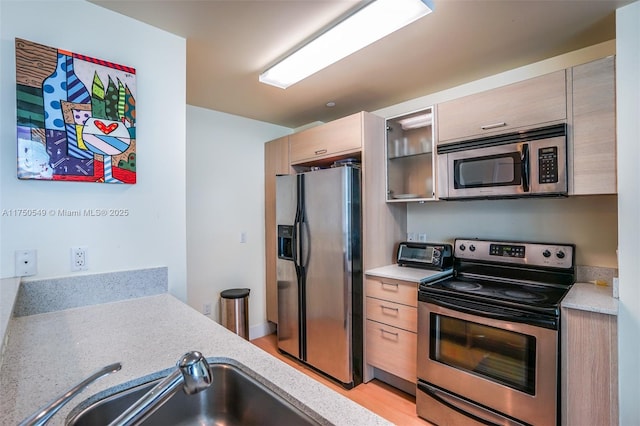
point(287, 279)
point(328, 234)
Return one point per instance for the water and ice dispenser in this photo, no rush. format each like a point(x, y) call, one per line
point(285, 242)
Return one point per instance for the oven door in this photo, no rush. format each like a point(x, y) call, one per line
point(507, 367)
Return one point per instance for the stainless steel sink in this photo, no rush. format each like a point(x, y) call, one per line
point(234, 398)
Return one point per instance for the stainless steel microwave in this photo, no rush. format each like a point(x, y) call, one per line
point(519, 164)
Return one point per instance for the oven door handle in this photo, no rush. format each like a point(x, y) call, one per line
point(486, 312)
point(429, 391)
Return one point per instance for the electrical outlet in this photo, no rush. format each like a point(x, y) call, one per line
point(243, 237)
point(206, 308)
point(422, 237)
point(79, 258)
point(412, 236)
point(26, 263)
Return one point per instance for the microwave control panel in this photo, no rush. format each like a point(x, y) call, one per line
point(548, 164)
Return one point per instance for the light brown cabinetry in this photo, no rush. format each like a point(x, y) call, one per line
point(528, 103)
point(593, 137)
point(383, 224)
point(410, 158)
point(589, 368)
point(334, 139)
point(276, 162)
point(391, 326)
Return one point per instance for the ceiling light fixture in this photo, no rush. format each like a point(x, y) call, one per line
point(371, 23)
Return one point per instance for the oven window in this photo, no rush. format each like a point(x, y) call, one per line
point(493, 170)
point(496, 354)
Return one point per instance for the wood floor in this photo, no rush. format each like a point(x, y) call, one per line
point(386, 401)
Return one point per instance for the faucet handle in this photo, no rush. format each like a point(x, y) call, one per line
point(195, 372)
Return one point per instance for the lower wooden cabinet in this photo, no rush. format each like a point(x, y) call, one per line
point(392, 349)
point(391, 338)
point(589, 368)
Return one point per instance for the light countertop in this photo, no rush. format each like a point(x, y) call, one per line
point(8, 292)
point(405, 273)
point(592, 298)
point(48, 353)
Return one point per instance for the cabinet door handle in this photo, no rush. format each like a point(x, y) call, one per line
point(388, 332)
point(389, 308)
point(393, 285)
point(493, 126)
point(321, 151)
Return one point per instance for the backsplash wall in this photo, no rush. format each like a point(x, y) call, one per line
point(589, 222)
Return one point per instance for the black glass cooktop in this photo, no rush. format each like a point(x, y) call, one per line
point(495, 291)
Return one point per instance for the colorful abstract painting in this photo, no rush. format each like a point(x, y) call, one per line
point(76, 116)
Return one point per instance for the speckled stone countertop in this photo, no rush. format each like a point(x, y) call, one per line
point(405, 273)
point(48, 353)
point(8, 292)
point(592, 298)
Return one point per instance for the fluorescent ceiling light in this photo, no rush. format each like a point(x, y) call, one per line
point(371, 23)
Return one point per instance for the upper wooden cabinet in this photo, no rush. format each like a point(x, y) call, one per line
point(276, 162)
point(334, 139)
point(592, 142)
point(524, 104)
point(410, 161)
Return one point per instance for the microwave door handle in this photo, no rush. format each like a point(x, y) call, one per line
point(524, 164)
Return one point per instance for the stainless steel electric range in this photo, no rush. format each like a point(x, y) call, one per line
point(488, 336)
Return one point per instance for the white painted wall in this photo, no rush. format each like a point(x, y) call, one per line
point(628, 109)
point(154, 232)
point(589, 222)
point(225, 197)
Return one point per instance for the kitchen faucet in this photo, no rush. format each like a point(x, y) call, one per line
point(192, 374)
point(43, 415)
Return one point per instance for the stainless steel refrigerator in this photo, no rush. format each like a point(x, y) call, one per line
point(319, 270)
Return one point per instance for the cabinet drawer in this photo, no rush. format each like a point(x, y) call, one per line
point(401, 316)
point(527, 103)
point(328, 140)
point(392, 350)
point(396, 291)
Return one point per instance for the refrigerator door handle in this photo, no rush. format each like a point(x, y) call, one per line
point(294, 242)
point(304, 245)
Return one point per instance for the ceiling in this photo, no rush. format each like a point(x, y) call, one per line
point(229, 43)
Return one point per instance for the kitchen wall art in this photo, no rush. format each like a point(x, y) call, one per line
point(76, 116)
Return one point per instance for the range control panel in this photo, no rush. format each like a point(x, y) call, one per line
point(517, 253)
